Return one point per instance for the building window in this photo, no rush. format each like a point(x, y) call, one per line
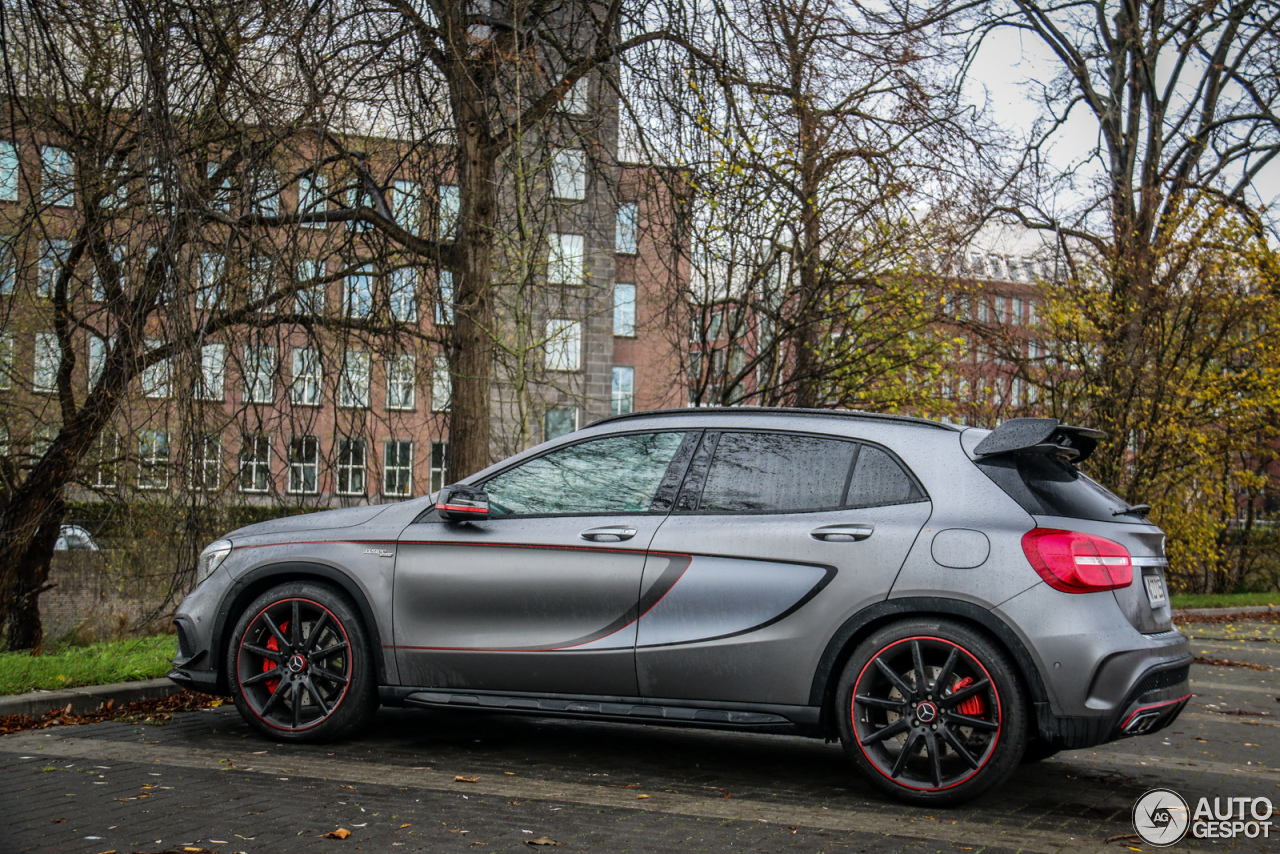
point(403, 293)
point(10, 170)
point(106, 460)
point(206, 462)
point(400, 382)
point(153, 460)
point(264, 192)
point(307, 377)
point(304, 465)
point(441, 384)
point(219, 196)
point(450, 210)
point(53, 257)
point(439, 465)
point(259, 373)
point(213, 372)
point(8, 268)
point(6, 362)
point(255, 464)
point(353, 384)
point(577, 101)
point(564, 345)
point(262, 290)
point(625, 238)
point(313, 191)
point(48, 356)
point(569, 174)
point(157, 379)
point(358, 294)
point(310, 295)
point(624, 310)
point(406, 205)
point(209, 270)
point(351, 467)
point(559, 422)
point(58, 177)
point(444, 300)
point(397, 467)
point(624, 391)
point(564, 261)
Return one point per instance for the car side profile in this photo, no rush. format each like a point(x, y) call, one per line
point(947, 602)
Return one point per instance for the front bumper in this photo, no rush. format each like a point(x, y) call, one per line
point(191, 667)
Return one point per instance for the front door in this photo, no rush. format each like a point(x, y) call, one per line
point(541, 596)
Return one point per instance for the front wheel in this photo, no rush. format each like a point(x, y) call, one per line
point(932, 712)
point(300, 666)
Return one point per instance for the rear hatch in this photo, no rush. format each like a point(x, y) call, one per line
point(1050, 487)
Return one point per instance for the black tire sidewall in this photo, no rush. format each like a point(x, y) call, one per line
point(360, 700)
point(1014, 715)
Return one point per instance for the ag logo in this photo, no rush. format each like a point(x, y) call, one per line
point(1161, 817)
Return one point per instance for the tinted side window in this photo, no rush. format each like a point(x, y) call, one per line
point(776, 473)
point(879, 480)
point(617, 474)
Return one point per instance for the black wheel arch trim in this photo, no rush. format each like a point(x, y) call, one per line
point(841, 645)
point(242, 592)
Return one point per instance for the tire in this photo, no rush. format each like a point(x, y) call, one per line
point(923, 746)
point(299, 664)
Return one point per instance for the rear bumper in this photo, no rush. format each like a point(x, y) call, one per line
point(1153, 702)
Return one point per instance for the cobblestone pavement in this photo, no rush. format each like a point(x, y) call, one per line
point(204, 780)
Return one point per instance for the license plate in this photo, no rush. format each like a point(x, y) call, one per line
point(1155, 590)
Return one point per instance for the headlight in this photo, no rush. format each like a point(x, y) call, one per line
point(211, 558)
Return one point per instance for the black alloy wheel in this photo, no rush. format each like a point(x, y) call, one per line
point(300, 664)
point(933, 712)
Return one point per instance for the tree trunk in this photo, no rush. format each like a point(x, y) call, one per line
point(25, 630)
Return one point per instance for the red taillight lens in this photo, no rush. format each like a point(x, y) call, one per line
point(1077, 563)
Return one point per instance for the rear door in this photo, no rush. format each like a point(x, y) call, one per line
point(542, 595)
point(775, 539)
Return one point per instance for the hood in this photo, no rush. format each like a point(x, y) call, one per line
point(344, 518)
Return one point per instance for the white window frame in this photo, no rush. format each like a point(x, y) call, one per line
point(357, 301)
point(307, 387)
point(53, 257)
point(6, 362)
point(353, 381)
point(10, 171)
point(255, 464)
point(220, 197)
point(301, 466)
point(210, 267)
point(402, 292)
point(626, 236)
point(157, 379)
point(402, 385)
point(259, 272)
point(577, 101)
point(406, 205)
point(56, 167)
point(448, 210)
point(441, 384)
point(206, 468)
point(399, 476)
point(309, 300)
point(213, 373)
point(623, 390)
point(259, 368)
point(444, 299)
point(45, 361)
point(262, 202)
point(438, 473)
point(349, 471)
point(565, 254)
point(569, 174)
point(148, 463)
point(106, 460)
point(624, 310)
point(563, 349)
point(313, 197)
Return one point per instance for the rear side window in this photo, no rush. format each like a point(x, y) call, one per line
point(1045, 487)
point(788, 473)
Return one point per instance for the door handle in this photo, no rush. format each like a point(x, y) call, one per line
point(842, 533)
point(608, 534)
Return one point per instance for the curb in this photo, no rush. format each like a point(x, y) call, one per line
point(87, 699)
point(1239, 609)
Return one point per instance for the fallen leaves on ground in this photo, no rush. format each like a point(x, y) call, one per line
point(143, 711)
point(1244, 712)
point(466, 779)
point(542, 840)
point(1250, 617)
point(340, 833)
point(1226, 662)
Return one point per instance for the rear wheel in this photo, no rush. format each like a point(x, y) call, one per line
point(932, 712)
point(300, 665)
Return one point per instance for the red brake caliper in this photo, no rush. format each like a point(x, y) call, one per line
point(974, 706)
point(268, 664)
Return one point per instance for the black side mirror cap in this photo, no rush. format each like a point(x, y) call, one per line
point(462, 504)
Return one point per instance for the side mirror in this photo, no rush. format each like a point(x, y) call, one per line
point(462, 504)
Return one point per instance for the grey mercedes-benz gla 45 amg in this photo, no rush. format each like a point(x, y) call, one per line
point(945, 601)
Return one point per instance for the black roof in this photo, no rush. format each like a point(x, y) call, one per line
point(784, 410)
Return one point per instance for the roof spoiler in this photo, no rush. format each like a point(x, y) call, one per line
point(1046, 436)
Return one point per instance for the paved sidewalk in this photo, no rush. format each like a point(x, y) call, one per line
point(205, 780)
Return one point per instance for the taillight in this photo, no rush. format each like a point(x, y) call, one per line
point(1077, 563)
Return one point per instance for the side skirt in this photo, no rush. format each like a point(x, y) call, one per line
point(788, 720)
